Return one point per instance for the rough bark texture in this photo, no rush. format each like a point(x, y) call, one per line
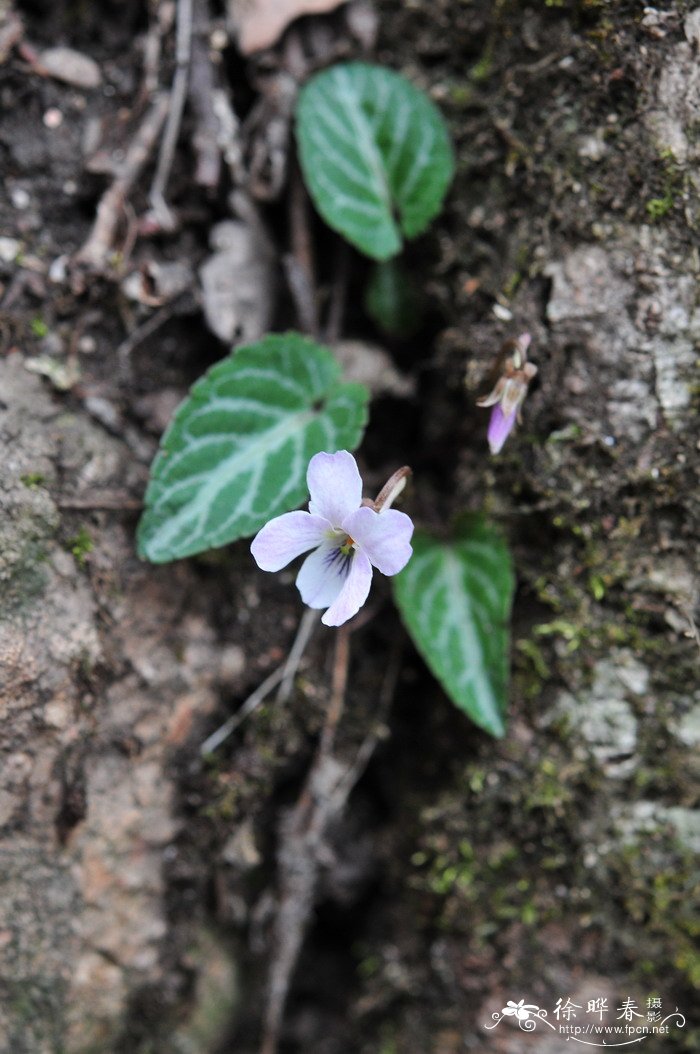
point(137, 884)
point(107, 667)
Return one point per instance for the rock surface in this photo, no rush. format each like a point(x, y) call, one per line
point(104, 678)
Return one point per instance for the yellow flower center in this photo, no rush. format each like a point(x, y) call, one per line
point(347, 546)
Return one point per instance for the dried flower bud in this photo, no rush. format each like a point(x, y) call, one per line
point(509, 393)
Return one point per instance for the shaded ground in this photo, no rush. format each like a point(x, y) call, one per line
point(560, 862)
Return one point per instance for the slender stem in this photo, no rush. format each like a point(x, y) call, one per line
point(286, 671)
point(306, 627)
point(202, 89)
point(102, 503)
point(378, 730)
point(300, 264)
point(299, 854)
point(168, 144)
point(98, 246)
point(340, 680)
point(252, 703)
point(336, 308)
point(392, 488)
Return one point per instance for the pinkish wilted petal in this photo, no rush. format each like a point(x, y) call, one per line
point(500, 427)
point(524, 341)
point(384, 536)
point(335, 486)
point(323, 574)
point(354, 592)
point(285, 537)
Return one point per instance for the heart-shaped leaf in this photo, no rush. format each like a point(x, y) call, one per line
point(375, 154)
point(237, 449)
point(455, 601)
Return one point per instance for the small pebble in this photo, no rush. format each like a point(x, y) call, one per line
point(20, 198)
point(71, 67)
point(87, 345)
point(53, 118)
point(502, 313)
point(58, 269)
point(9, 248)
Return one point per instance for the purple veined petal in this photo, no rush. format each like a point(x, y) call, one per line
point(335, 486)
point(285, 537)
point(383, 536)
point(500, 427)
point(353, 594)
point(323, 574)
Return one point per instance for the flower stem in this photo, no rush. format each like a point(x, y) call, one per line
point(337, 701)
point(392, 488)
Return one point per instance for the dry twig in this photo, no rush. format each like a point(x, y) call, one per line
point(160, 19)
point(299, 264)
point(100, 242)
point(142, 332)
point(304, 831)
point(339, 293)
point(166, 156)
point(284, 673)
point(202, 93)
point(301, 840)
point(102, 503)
point(309, 621)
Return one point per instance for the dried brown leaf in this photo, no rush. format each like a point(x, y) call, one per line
point(259, 24)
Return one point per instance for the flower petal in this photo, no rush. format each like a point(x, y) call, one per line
point(384, 536)
point(353, 594)
point(500, 427)
point(323, 574)
point(285, 537)
point(335, 486)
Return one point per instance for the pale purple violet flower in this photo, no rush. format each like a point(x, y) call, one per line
point(347, 538)
point(500, 427)
point(509, 394)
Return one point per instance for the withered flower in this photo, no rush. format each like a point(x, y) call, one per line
point(509, 393)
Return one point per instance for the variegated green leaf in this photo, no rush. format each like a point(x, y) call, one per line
point(237, 449)
point(375, 153)
point(455, 601)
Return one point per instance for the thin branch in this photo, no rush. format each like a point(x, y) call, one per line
point(287, 670)
point(337, 703)
point(142, 332)
point(302, 840)
point(309, 621)
point(252, 703)
point(201, 89)
point(159, 21)
point(299, 264)
point(100, 242)
point(339, 293)
point(102, 503)
point(168, 144)
point(378, 730)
